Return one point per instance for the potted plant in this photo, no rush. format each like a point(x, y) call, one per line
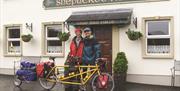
point(63, 36)
point(120, 68)
point(133, 35)
point(26, 37)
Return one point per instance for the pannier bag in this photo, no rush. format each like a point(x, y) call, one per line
point(26, 65)
point(42, 69)
point(102, 81)
point(27, 71)
point(47, 68)
point(27, 75)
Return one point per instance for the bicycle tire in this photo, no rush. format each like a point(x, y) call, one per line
point(44, 80)
point(17, 81)
point(94, 82)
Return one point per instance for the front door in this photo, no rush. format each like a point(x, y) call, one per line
point(103, 34)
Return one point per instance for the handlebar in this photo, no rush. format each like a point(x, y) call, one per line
point(101, 60)
point(74, 59)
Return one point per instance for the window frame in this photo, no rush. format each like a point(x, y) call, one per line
point(7, 39)
point(145, 54)
point(45, 38)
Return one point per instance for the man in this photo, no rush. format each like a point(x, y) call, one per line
point(76, 49)
point(91, 50)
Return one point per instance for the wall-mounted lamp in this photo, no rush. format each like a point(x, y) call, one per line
point(135, 22)
point(66, 25)
point(29, 26)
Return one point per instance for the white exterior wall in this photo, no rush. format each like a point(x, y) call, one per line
point(133, 49)
point(31, 11)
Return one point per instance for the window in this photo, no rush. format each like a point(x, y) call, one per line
point(158, 37)
point(12, 40)
point(52, 45)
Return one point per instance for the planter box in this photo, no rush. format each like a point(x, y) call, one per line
point(120, 82)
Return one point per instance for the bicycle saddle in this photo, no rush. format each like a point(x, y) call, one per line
point(52, 58)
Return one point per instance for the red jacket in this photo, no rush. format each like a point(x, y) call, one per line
point(76, 50)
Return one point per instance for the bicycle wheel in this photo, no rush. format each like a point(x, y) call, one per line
point(17, 81)
point(47, 84)
point(109, 86)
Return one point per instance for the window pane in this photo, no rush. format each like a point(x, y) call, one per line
point(158, 27)
point(53, 31)
point(14, 33)
point(14, 46)
point(54, 46)
point(158, 45)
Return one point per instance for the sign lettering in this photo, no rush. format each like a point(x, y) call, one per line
point(71, 3)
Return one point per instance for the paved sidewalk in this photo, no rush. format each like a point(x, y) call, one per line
point(6, 84)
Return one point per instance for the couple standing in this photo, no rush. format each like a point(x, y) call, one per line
point(87, 48)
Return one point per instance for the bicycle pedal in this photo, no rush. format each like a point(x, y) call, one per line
point(61, 77)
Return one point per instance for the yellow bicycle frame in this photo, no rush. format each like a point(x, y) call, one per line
point(93, 69)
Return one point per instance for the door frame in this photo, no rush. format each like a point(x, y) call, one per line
point(115, 43)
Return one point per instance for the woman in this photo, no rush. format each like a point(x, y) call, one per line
point(76, 50)
point(76, 46)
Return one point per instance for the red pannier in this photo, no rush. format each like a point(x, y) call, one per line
point(102, 81)
point(42, 69)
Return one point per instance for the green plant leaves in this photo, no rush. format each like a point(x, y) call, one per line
point(26, 38)
point(133, 35)
point(63, 36)
point(121, 63)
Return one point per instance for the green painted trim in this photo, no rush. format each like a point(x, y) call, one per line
point(101, 4)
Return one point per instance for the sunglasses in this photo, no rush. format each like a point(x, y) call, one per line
point(87, 31)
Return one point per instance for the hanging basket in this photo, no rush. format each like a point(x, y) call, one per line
point(26, 38)
point(133, 35)
point(63, 36)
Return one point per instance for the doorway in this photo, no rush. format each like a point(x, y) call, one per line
point(103, 34)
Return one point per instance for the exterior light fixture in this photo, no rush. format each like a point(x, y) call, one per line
point(135, 22)
point(29, 26)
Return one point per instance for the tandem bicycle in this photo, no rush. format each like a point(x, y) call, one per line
point(86, 74)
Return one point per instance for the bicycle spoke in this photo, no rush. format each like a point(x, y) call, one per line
point(108, 87)
point(46, 84)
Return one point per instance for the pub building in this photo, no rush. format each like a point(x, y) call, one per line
point(150, 58)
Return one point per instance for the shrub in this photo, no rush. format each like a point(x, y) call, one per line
point(121, 63)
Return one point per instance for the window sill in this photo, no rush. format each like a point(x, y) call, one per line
point(12, 55)
point(158, 56)
point(54, 55)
